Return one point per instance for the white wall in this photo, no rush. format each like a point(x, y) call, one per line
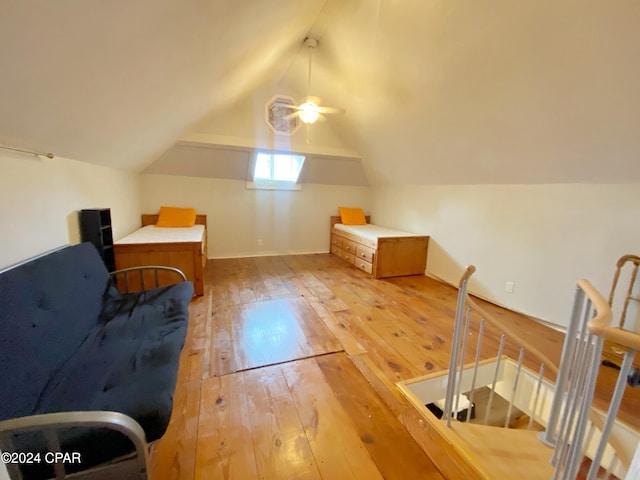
point(40, 199)
point(541, 237)
point(285, 221)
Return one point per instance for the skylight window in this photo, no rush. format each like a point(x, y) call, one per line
point(277, 167)
point(276, 170)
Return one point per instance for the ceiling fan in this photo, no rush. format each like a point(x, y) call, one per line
point(309, 110)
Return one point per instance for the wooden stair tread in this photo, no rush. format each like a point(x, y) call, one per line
point(504, 452)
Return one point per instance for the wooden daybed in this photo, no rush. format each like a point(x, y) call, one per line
point(378, 251)
point(188, 254)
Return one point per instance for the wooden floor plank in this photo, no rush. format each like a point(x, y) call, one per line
point(224, 446)
point(196, 362)
point(279, 440)
point(208, 319)
point(173, 456)
point(388, 360)
point(348, 341)
point(418, 341)
point(222, 353)
point(337, 448)
point(319, 339)
point(267, 333)
point(277, 277)
point(380, 383)
point(395, 453)
point(397, 332)
point(320, 291)
point(270, 334)
point(263, 282)
point(198, 312)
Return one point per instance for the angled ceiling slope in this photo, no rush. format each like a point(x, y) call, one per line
point(459, 93)
point(508, 92)
point(117, 83)
point(436, 92)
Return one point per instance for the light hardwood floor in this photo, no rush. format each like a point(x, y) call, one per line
point(289, 367)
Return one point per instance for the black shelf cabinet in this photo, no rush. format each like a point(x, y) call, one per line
point(95, 227)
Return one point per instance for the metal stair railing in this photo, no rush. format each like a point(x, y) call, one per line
point(468, 312)
point(573, 427)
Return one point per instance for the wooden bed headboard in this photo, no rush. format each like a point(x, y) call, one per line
point(152, 219)
point(337, 219)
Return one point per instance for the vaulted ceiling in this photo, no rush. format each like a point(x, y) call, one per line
point(436, 92)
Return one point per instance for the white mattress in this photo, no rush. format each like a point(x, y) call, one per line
point(372, 232)
point(153, 234)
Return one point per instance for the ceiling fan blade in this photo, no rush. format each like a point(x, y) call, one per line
point(340, 111)
point(286, 105)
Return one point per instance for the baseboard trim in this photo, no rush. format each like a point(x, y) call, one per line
point(267, 254)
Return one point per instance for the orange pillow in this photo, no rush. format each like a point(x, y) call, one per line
point(352, 216)
point(176, 217)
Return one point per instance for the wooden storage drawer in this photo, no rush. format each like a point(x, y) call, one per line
point(363, 265)
point(346, 256)
point(365, 253)
point(349, 246)
point(336, 241)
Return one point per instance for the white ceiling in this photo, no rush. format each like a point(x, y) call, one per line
point(436, 92)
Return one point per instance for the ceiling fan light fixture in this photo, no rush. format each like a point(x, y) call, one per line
point(308, 112)
point(282, 113)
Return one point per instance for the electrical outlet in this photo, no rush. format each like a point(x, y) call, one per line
point(259, 242)
point(508, 287)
